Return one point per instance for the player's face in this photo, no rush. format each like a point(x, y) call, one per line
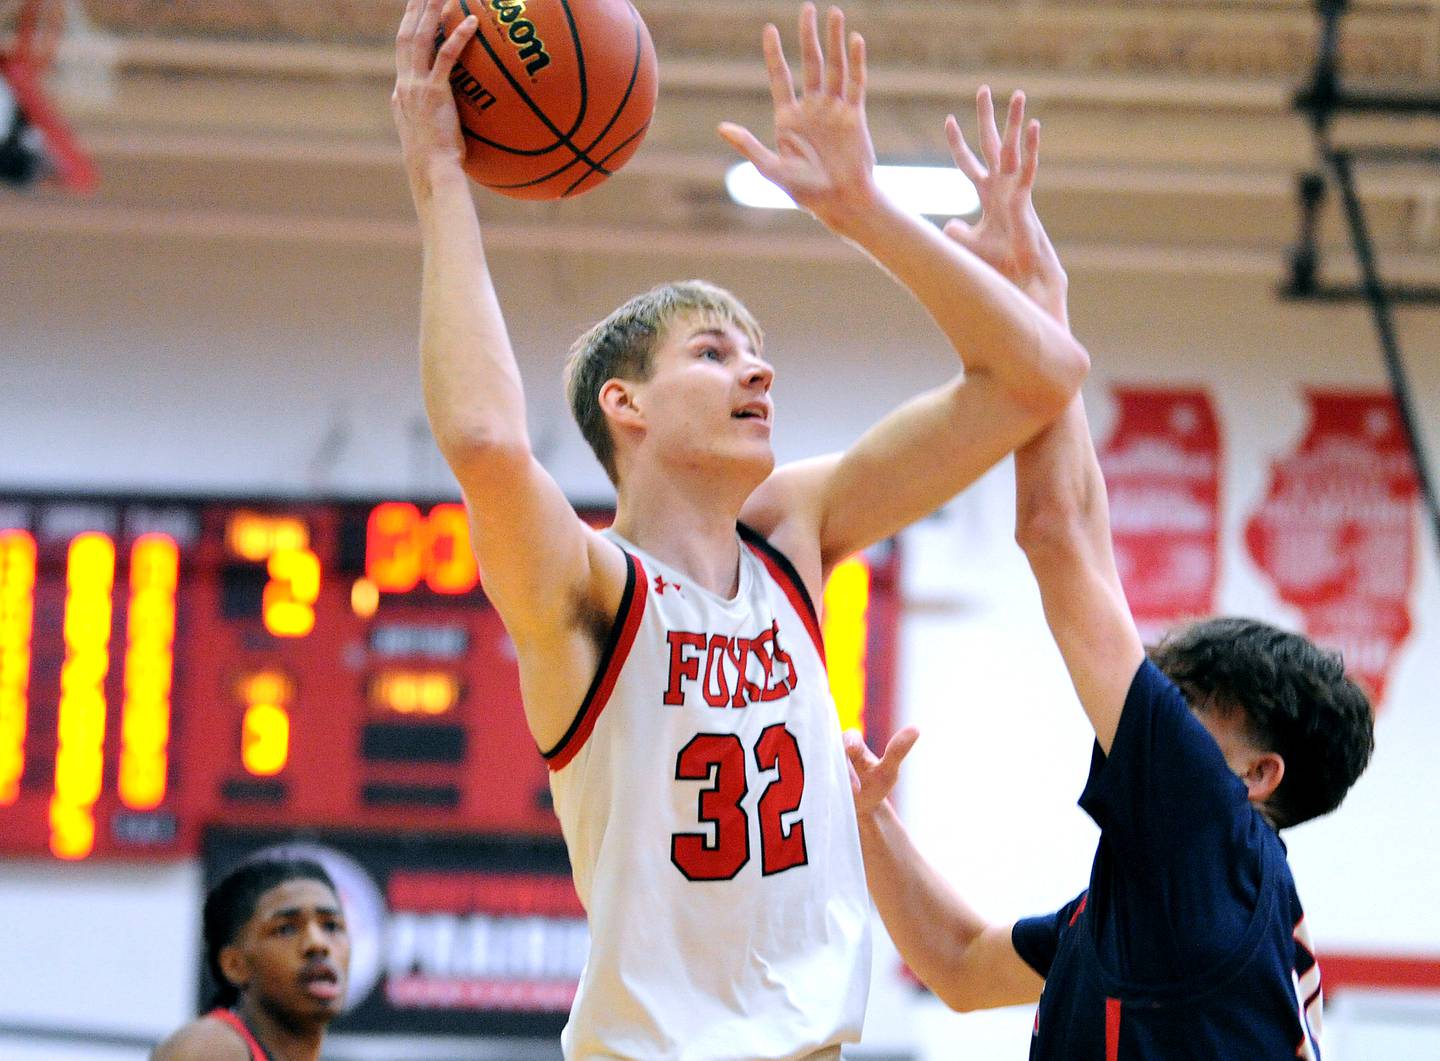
point(708, 398)
point(298, 952)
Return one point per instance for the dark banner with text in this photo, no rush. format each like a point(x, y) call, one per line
point(449, 935)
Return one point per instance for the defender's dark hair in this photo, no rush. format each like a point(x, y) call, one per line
point(231, 903)
point(1296, 699)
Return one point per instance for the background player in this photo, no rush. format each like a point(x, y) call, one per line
point(672, 674)
point(278, 952)
point(1190, 941)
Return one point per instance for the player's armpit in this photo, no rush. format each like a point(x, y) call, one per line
point(555, 582)
point(202, 1040)
point(990, 974)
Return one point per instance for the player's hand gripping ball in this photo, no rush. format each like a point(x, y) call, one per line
point(554, 95)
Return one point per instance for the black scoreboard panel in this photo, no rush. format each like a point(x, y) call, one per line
point(168, 663)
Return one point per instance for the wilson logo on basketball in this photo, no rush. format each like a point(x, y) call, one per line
point(521, 32)
point(463, 83)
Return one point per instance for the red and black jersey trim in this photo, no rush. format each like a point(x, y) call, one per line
point(233, 1021)
point(612, 659)
point(784, 573)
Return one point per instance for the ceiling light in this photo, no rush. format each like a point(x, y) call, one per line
point(936, 190)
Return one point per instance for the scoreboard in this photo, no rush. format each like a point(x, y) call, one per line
point(173, 663)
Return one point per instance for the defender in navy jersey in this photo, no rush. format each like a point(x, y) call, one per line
point(709, 812)
point(278, 953)
point(1190, 941)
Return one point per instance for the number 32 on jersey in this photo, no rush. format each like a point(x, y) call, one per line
point(721, 759)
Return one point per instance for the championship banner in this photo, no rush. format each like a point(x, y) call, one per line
point(479, 935)
point(1162, 472)
point(1336, 531)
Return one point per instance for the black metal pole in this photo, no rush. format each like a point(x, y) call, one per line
point(1339, 162)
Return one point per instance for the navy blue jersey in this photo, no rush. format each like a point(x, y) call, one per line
point(1190, 941)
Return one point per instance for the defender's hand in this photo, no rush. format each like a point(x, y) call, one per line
point(872, 779)
point(823, 156)
point(1009, 236)
point(423, 104)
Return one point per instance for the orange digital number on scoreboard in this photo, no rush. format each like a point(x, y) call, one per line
point(394, 547)
point(404, 548)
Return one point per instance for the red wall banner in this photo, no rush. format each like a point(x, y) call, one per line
point(1162, 470)
point(1336, 531)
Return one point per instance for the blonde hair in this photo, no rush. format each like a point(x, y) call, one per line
point(622, 346)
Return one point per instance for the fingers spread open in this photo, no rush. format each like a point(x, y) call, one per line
point(835, 52)
point(782, 88)
point(1014, 122)
point(960, 231)
point(855, 83)
point(812, 59)
point(898, 748)
point(745, 142)
point(857, 751)
point(965, 159)
point(1030, 158)
point(989, 134)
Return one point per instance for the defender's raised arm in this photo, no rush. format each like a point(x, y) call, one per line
point(1020, 367)
point(1061, 513)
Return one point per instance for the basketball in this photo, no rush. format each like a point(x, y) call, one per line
point(554, 95)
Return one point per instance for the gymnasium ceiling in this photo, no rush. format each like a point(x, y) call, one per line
point(1170, 142)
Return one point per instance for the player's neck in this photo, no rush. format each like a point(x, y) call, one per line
point(282, 1042)
point(692, 531)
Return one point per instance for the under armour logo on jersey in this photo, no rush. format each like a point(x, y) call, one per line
point(661, 584)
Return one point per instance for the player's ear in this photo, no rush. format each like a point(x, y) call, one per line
point(235, 966)
point(1263, 777)
point(618, 402)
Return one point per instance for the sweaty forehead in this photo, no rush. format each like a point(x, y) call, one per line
point(295, 895)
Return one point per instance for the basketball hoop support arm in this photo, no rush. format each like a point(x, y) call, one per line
point(1320, 101)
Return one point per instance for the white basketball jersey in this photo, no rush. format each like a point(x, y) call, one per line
point(705, 800)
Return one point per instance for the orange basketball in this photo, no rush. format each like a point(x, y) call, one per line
point(554, 95)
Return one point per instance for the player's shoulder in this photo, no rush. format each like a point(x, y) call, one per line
point(784, 512)
point(203, 1039)
point(1153, 693)
point(793, 489)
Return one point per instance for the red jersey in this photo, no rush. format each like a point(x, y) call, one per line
point(229, 1017)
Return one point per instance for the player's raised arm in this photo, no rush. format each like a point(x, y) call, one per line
point(1062, 516)
point(969, 962)
point(1020, 367)
point(542, 567)
point(1062, 521)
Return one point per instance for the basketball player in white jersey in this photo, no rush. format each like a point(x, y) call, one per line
point(671, 668)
